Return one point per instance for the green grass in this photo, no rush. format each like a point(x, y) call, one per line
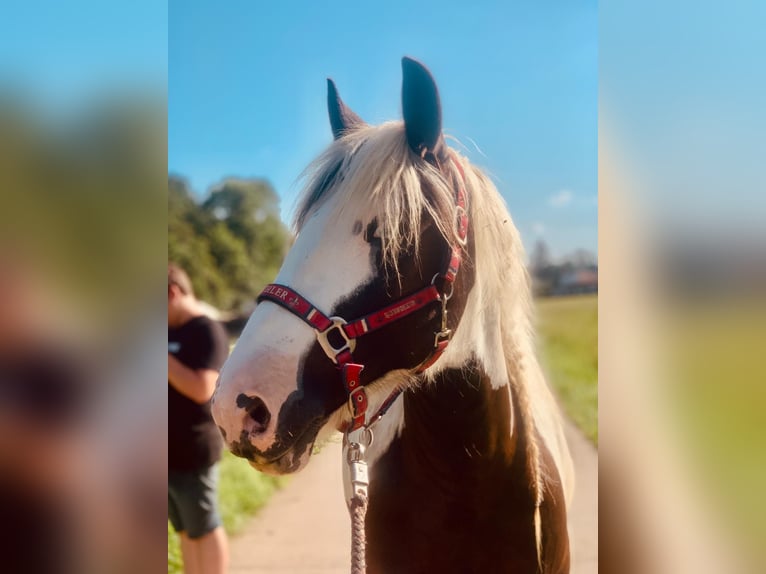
point(568, 341)
point(717, 398)
point(174, 552)
point(242, 491)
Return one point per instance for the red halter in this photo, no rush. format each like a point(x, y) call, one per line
point(339, 351)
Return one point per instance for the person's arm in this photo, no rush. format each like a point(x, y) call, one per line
point(196, 384)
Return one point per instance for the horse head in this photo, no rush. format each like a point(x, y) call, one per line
point(370, 274)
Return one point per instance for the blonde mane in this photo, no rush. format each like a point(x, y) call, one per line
point(373, 171)
point(376, 175)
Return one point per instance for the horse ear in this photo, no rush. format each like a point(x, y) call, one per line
point(422, 110)
point(342, 118)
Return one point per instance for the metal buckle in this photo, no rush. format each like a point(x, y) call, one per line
point(445, 335)
point(460, 212)
point(333, 352)
point(357, 480)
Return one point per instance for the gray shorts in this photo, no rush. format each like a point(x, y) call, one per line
point(193, 501)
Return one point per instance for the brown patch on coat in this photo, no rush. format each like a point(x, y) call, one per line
point(452, 493)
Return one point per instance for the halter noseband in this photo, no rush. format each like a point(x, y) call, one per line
point(337, 337)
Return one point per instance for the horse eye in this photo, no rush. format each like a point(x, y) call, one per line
point(371, 233)
point(357, 228)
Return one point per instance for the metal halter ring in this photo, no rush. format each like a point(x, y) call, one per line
point(445, 296)
point(331, 351)
point(461, 215)
point(359, 439)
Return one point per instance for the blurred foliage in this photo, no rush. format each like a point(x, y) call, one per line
point(231, 244)
point(82, 199)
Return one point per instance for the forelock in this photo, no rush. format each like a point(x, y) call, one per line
point(376, 176)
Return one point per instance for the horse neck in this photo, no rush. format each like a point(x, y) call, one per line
point(459, 420)
point(474, 410)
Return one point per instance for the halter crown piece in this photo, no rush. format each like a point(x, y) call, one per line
point(337, 337)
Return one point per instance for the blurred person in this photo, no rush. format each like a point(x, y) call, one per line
point(44, 396)
point(197, 348)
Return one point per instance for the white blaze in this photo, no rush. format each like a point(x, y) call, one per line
point(326, 263)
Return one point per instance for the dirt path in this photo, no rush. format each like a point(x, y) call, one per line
point(305, 528)
point(583, 514)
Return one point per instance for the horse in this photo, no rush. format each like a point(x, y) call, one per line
point(469, 470)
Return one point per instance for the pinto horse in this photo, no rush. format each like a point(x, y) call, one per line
point(469, 469)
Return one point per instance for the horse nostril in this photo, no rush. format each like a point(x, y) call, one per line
point(256, 409)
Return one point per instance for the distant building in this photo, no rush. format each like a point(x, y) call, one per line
point(575, 273)
point(577, 281)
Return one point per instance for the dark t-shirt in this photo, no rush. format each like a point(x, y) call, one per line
point(47, 385)
point(194, 441)
point(50, 388)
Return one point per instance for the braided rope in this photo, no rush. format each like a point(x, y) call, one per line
point(358, 510)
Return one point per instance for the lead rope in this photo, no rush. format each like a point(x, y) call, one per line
point(358, 510)
point(357, 505)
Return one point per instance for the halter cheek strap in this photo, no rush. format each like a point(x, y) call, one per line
point(337, 337)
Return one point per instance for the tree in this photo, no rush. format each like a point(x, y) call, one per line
point(581, 259)
point(541, 257)
point(232, 244)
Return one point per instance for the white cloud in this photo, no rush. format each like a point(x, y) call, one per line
point(538, 228)
point(561, 198)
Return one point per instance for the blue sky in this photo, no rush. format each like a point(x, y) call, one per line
point(60, 55)
point(682, 83)
point(518, 80)
point(682, 91)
